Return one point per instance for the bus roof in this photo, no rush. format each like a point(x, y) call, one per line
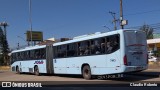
point(29, 48)
point(76, 39)
point(91, 36)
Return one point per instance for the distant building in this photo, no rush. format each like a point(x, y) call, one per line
point(153, 44)
point(47, 42)
point(52, 40)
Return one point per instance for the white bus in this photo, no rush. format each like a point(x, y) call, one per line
point(30, 59)
point(112, 52)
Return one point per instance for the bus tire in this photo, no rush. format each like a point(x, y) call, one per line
point(86, 72)
point(17, 70)
point(36, 71)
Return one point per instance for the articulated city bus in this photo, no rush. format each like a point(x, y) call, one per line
point(112, 52)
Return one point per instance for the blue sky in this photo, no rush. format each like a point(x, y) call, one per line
point(69, 18)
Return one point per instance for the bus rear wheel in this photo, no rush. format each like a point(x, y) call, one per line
point(86, 72)
point(36, 71)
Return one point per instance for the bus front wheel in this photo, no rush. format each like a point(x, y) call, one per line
point(86, 72)
point(36, 71)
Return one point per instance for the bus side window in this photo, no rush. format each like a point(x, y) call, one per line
point(32, 54)
point(80, 49)
point(109, 47)
point(109, 44)
point(112, 43)
point(98, 46)
point(83, 48)
point(15, 56)
point(55, 54)
point(71, 49)
point(116, 43)
point(18, 55)
point(27, 55)
point(86, 48)
point(64, 50)
point(21, 55)
point(58, 51)
point(102, 45)
point(61, 51)
point(37, 54)
point(24, 55)
point(42, 53)
point(92, 47)
point(12, 58)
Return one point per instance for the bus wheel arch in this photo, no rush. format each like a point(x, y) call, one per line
point(86, 71)
point(36, 70)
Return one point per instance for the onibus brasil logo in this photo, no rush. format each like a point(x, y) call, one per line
point(20, 84)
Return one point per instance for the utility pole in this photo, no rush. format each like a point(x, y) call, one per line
point(30, 20)
point(121, 14)
point(114, 19)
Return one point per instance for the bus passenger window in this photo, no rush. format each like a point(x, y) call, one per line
point(92, 47)
point(32, 54)
point(71, 50)
point(58, 52)
point(42, 53)
point(81, 51)
point(97, 47)
point(84, 48)
point(38, 54)
point(116, 43)
point(61, 51)
point(109, 47)
point(64, 49)
point(112, 43)
point(86, 52)
point(102, 47)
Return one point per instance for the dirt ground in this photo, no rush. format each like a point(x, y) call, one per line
point(154, 65)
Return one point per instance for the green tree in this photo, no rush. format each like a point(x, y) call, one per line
point(1, 56)
point(4, 50)
point(148, 30)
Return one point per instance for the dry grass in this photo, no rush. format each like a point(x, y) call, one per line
point(4, 68)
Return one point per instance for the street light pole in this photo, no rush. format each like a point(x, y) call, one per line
point(30, 20)
point(121, 14)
